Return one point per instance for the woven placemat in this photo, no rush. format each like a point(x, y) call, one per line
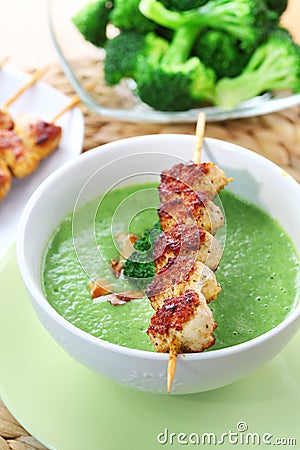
point(12, 434)
point(275, 136)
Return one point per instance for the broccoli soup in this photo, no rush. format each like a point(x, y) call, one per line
point(259, 270)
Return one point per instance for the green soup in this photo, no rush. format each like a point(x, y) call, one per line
point(259, 271)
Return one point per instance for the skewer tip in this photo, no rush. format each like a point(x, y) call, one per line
point(172, 363)
point(171, 370)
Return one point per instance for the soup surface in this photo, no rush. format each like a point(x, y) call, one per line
point(259, 271)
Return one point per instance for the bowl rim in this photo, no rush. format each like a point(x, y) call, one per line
point(40, 299)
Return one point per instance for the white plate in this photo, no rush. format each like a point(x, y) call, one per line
point(42, 101)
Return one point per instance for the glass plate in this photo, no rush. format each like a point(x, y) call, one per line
point(119, 102)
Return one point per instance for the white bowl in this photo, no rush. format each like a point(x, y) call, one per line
point(255, 178)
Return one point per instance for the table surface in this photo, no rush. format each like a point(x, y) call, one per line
point(276, 136)
point(29, 19)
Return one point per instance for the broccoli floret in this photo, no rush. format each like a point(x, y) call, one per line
point(247, 20)
point(121, 56)
point(124, 52)
point(139, 267)
point(275, 65)
point(223, 52)
point(145, 242)
point(183, 5)
point(170, 80)
point(92, 21)
point(277, 5)
point(127, 16)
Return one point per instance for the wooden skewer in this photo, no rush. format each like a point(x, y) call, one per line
point(172, 363)
point(200, 129)
point(73, 102)
point(4, 61)
point(34, 78)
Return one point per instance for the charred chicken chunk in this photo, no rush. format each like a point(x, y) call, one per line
point(19, 159)
point(205, 177)
point(41, 137)
point(182, 274)
point(190, 241)
point(193, 209)
point(185, 321)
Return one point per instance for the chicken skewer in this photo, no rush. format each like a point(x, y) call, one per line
point(183, 284)
point(22, 156)
point(40, 136)
point(30, 141)
point(24, 144)
point(11, 148)
point(174, 347)
point(22, 148)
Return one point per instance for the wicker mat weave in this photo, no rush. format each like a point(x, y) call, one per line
point(13, 436)
point(275, 136)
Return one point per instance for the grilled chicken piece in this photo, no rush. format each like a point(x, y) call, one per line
point(6, 122)
point(41, 137)
point(15, 155)
point(205, 177)
point(184, 321)
point(5, 180)
point(179, 275)
point(193, 209)
point(190, 241)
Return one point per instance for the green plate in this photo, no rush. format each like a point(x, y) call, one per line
point(68, 407)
